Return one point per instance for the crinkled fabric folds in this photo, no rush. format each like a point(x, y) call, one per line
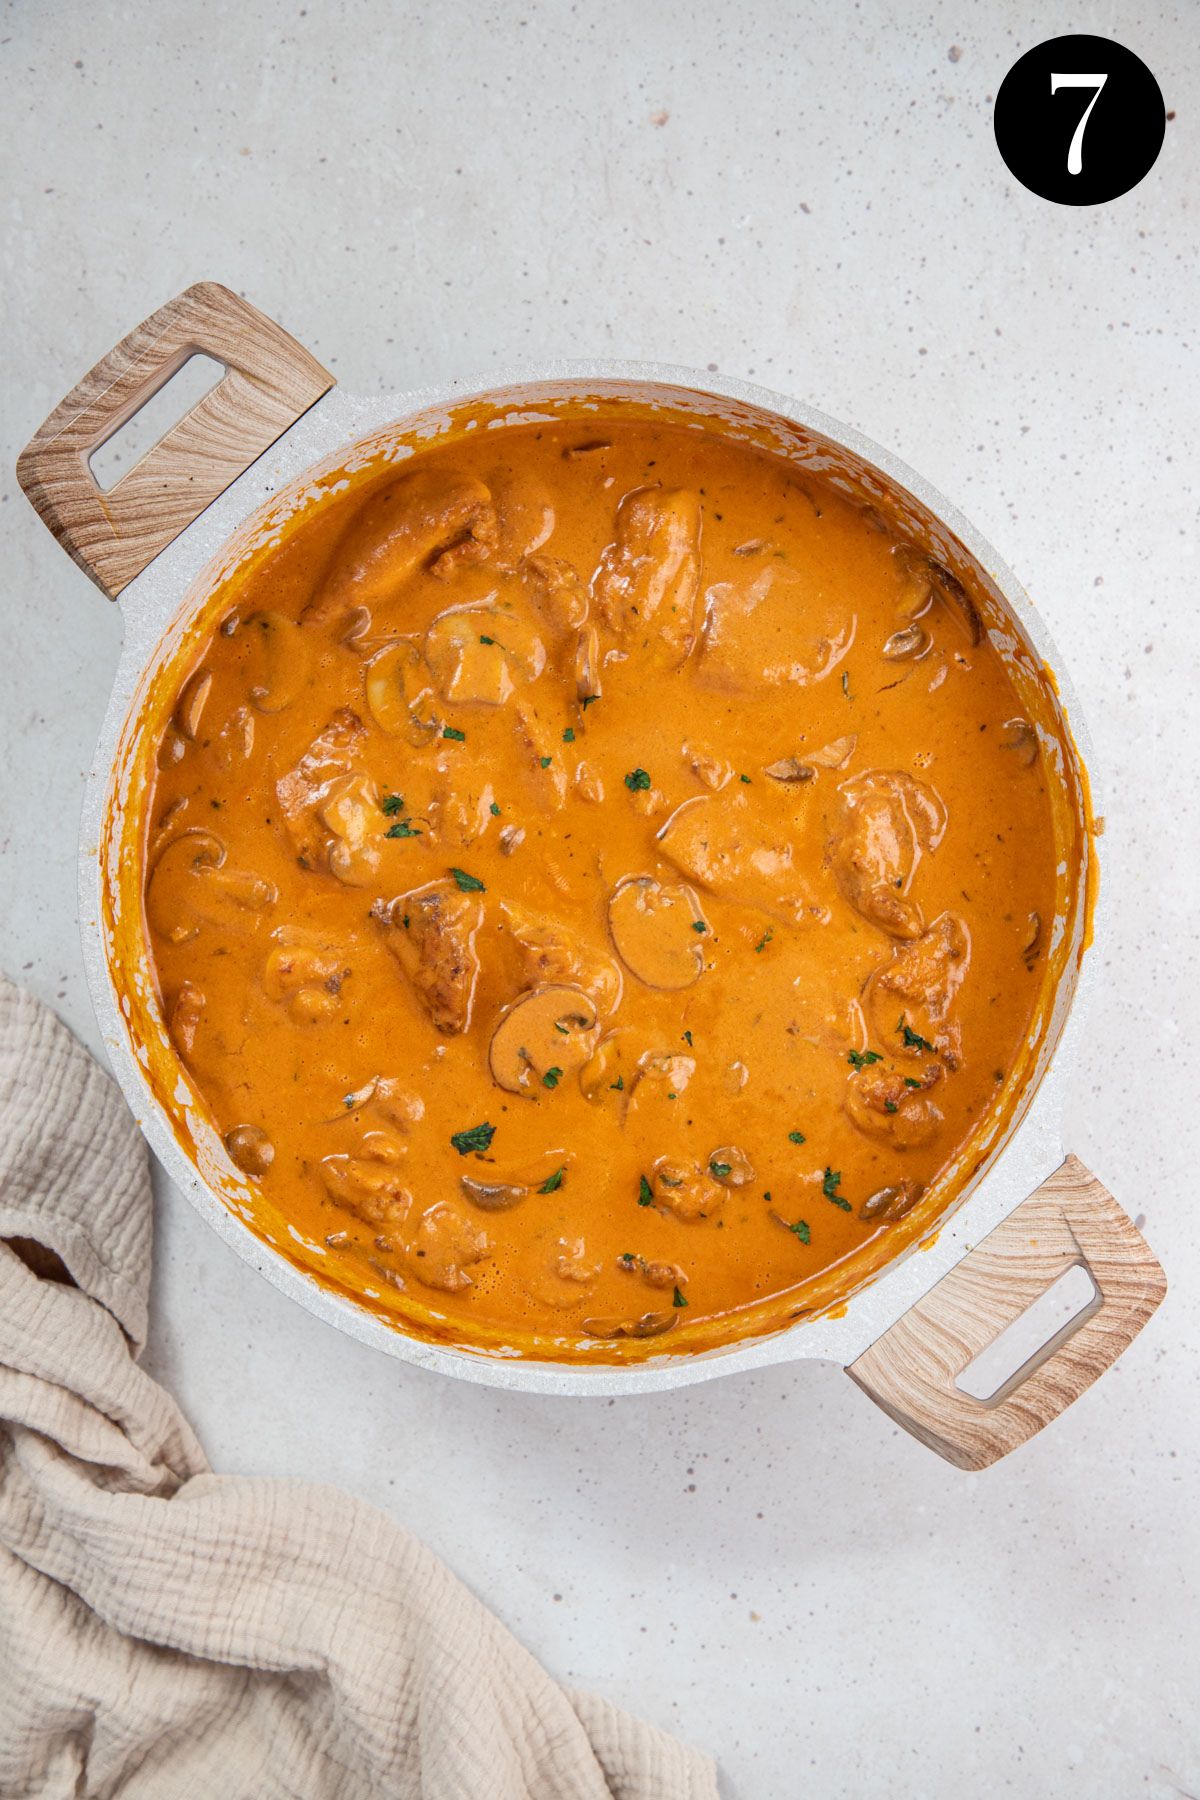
point(166, 1632)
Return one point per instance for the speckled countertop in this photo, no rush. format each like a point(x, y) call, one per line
point(809, 195)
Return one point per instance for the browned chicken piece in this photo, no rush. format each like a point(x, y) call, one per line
point(886, 821)
point(439, 1247)
point(686, 1189)
point(369, 1183)
point(553, 955)
point(778, 629)
point(887, 1109)
point(331, 806)
point(909, 999)
point(427, 518)
point(721, 844)
point(304, 971)
point(186, 1015)
point(557, 592)
point(649, 577)
point(431, 933)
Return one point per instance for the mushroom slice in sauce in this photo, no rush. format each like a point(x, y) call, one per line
point(1021, 740)
point(492, 1196)
point(431, 933)
point(651, 1324)
point(911, 642)
point(250, 1148)
point(648, 580)
point(887, 1204)
point(283, 670)
point(399, 694)
point(479, 655)
point(191, 885)
point(658, 931)
point(925, 580)
point(189, 708)
point(404, 524)
point(541, 1039)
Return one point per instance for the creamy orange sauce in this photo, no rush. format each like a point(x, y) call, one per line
point(599, 879)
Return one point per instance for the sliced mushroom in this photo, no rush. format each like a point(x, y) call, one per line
point(511, 838)
point(789, 769)
point(911, 640)
point(658, 932)
point(835, 755)
point(479, 655)
point(193, 698)
point(1021, 738)
point(551, 1029)
point(190, 886)
point(587, 664)
point(492, 1196)
point(399, 694)
point(651, 1324)
point(654, 1274)
point(250, 1148)
point(924, 580)
point(1033, 939)
point(730, 1166)
point(890, 1203)
point(611, 1069)
point(235, 738)
point(284, 661)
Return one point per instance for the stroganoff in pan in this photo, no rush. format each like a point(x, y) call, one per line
point(599, 878)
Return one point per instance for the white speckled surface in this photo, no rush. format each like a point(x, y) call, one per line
point(764, 1563)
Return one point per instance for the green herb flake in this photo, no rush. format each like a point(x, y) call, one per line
point(913, 1039)
point(391, 804)
point(861, 1059)
point(494, 810)
point(687, 1038)
point(637, 781)
point(551, 1078)
point(801, 1230)
point(645, 1192)
point(347, 1099)
point(452, 732)
point(797, 1137)
point(569, 735)
point(403, 828)
point(478, 1138)
point(719, 1170)
point(744, 778)
point(546, 761)
point(486, 640)
point(589, 700)
point(829, 1187)
point(699, 925)
point(767, 1194)
point(467, 884)
point(889, 1106)
point(553, 1182)
point(763, 941)
point(618, 1085)
point(910, 1081)
point(677, 1299)
point(406, 921)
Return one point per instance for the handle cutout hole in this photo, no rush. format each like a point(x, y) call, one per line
point(1032, 1336)
point(113, 459)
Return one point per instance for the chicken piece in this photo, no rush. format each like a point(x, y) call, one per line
point(649, 577)
point(557, 592)
point(479, 655)
point(431, 933)
point(369, 1183)
point(305, 972)
point(887, 1110)
point(779, 629)
point(886, 821)
point(524, 517)
point(720, 844)
point(439, 1247)
point(433, 517)
point(186, 1015)
point(552, 955)
point(686, 1189)
point(331, 806)
point(909, 999)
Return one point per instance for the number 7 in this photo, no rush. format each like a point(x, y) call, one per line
point(1075, 153)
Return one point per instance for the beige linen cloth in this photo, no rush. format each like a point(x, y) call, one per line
point(172, 1634)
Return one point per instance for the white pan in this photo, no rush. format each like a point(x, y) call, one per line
point(221, 481)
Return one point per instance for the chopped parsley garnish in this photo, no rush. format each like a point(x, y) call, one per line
point(637, 781)
point(391, 803)
point(569, 735)
point(797, 1137)
point(401, 829)
point(699, 925)
point(889, 1106)
point(719, 1170)
point(467, 884)
point(405, 921)
point(763, 941)
point(801, 1230)
point(645, 1192)
point(687, 1038)
point(454, 734)
point(559, 1026)
point(546, 761)
point(913, 1039)
point(677, 1299)
point(551, 1078)
point(479, 1138)
point(347, 1099)
point(829, 1187)
point(589, 700)
point(553, 1182)
point(494, 810)
point(618, 1085)
point(859, 1059)
point(911, 1081)
point(744, 778)
point(486, 640)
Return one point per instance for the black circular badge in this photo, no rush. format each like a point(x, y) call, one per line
point(1079, 120)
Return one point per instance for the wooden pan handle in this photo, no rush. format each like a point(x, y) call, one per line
point(1070, 1221)
point(269, 381)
